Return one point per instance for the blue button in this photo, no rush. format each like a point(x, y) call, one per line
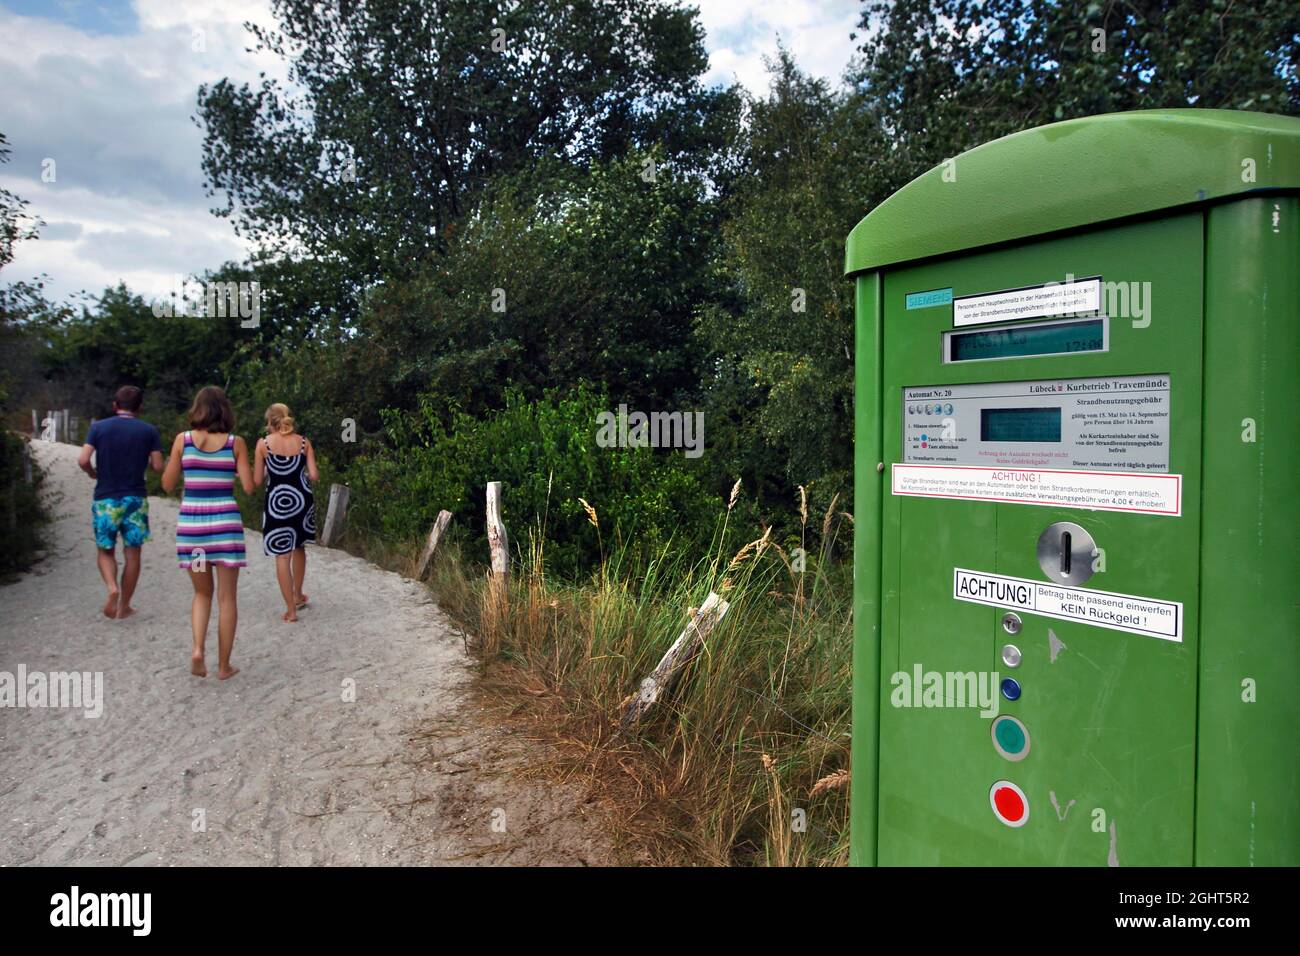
point(1010, 688)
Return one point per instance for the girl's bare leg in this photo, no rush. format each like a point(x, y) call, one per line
point(227, 619)
point(299, 572)
point(283, 574)
point(200, 612)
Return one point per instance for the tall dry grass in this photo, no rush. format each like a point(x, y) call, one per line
point(743, 763)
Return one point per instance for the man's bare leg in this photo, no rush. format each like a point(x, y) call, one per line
point(107, 561)
point(130, 577)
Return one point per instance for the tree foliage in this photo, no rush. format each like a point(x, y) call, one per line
point(399, 114)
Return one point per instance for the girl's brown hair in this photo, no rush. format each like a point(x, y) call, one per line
point(211, 411)
point(279, 420)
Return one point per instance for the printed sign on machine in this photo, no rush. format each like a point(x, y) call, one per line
point(1118, 612)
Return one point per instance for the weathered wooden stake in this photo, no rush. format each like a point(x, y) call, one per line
point(499, 544)
point(496, 532)
point(683, 651)
point(27, 463)
point(36, 424)
point(337, 514)
point(435, 533)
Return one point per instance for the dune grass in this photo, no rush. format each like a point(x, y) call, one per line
point(743, 763)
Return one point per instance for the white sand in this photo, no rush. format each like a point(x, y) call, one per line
point(278, 767)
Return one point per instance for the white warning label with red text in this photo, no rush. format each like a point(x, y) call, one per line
point(1118, 612)
point(1154, 494)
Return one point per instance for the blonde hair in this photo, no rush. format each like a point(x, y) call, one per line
point(279, 420)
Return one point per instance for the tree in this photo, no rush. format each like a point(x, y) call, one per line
point(592, 275)
point(16, 223)
point(943, 76)
point(400, 113)
point(781, 389)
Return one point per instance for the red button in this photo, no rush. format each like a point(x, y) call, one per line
point(1009, 803)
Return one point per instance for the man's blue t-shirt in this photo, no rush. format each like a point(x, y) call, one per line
point(123, 445)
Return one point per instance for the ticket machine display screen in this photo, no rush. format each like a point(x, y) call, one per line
point(1020, 341)
point(1020, 424)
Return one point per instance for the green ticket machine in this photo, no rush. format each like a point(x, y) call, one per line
point(1077, 553)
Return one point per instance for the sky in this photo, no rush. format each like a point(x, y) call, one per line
point(96, 99)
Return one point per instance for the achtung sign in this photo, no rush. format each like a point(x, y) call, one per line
point(1118, 612)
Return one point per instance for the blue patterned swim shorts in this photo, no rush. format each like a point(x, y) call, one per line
point(128, 516)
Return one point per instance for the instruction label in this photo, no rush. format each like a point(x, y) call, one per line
point(1092, 490)
point(1109, 423)
point(1118, 612)
point(1077, 297)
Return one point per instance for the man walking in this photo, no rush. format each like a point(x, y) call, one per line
point(123, 446)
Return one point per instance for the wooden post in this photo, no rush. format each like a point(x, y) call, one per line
point(338, 510)
point(63, 423)
point(27, 463)
point(435, 533)
point(36, 424)
point(496, 531)
point(683, 651)
point(499, 544)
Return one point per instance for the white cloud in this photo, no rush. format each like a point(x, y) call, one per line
point(741, 34)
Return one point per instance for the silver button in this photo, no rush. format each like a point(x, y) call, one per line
point(1010, 655)
point(1011, 622)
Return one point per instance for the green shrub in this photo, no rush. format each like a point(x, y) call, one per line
point(546, 455)
point(20, 513)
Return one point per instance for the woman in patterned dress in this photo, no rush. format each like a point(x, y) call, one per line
point(287, 462)
point(209, 531)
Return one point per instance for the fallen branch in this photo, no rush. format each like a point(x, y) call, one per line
point(683, 651)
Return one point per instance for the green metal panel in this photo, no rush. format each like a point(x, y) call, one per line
point(866, 569)
point(1248, 775)
point(1078, 173)
point(1112, 721)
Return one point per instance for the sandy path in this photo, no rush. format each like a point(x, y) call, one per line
point(274, 763)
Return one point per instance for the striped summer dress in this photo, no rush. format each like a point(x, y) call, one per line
point(209, 525)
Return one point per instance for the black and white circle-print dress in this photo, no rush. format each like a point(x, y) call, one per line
point(289, 514)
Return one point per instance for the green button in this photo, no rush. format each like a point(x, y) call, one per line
point(1010, 738)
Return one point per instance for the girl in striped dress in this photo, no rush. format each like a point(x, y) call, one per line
point(209, 532)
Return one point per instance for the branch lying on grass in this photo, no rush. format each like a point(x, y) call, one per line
point(674, 662)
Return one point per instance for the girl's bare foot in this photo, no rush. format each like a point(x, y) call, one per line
point(301, 600)
point(198, 667)
point(110, 606)
point(290, 616)
point(124, 612)
point(227, 673)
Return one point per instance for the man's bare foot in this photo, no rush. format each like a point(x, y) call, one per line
point(198, 667)
point(124, 612)
point(110, 606)
point(290, 616)
point(227, 673)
